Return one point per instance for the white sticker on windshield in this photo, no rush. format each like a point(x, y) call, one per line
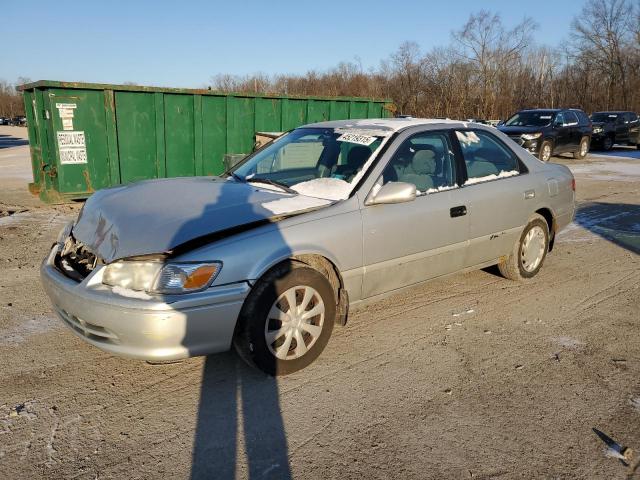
point(545, 117)
point(356, 138)
point(613, 116)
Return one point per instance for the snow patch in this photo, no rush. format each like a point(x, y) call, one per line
point(493, 176)
point(127, 292)
point(467, 138)
point(27, 326)
point(294, 204)
point(436, 190)
point(568, 342)
point(619, 172)
point(326, 188)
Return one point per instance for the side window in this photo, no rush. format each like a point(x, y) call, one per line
point(486, 157)
point(426, 160)
point(633, 118)
point(560, 119)
point(570, 118)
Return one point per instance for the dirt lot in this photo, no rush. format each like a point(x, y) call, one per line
point(472, 376)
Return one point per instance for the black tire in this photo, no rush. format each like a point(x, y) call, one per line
point(249, 339)
point(583, 149)
point(546, 151)
point(513, 266)
point(607, 143)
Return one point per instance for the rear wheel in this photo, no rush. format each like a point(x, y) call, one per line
point(583, 148)
point(287, 319)
point(529, 252)
point(545, 151)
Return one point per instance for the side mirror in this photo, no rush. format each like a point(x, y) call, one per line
point(392, 192)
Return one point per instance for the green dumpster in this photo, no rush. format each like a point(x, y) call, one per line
point(86, 136)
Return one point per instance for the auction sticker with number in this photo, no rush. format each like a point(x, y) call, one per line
point(72, 147)
point(356, 138)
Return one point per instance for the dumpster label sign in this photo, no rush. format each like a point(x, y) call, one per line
point(65, 111)
point(72, 147)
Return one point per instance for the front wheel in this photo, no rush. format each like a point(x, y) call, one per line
point(545, 151)
point(287, 319)
point(529, 252)
point(583, 148)
point(607, 143)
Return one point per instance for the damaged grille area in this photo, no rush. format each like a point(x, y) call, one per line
point(75, 260)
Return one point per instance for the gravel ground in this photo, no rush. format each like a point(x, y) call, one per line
point(471, 376)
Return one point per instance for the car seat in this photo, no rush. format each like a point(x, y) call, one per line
point(356, 158)
point(421, 170)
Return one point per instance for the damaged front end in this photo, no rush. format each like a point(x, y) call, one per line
point(75, 260)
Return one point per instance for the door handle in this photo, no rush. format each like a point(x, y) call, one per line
point(530, 194)
point(458, 211)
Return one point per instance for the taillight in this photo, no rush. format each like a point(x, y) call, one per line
point(573, 184)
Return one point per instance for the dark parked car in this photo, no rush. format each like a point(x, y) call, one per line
point(615, 127)
point(4, 121)
point(550, 131)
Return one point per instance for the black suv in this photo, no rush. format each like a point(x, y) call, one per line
point(546, 132)
point(615, 127)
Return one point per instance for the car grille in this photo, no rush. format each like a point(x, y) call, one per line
point(86, 329)
point(75, 260)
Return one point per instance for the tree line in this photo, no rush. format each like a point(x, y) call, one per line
point(488, 70)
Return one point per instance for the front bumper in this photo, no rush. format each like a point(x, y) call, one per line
point(532, 146)
point(154, 328)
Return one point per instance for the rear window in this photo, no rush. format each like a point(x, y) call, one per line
point(583, 119)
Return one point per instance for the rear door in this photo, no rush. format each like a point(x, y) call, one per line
point(496, 193)
point(563, 140)
point(575, 133)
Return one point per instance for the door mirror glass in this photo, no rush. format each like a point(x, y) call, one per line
point(392, 192)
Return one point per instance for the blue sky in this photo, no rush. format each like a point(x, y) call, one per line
point(185, 43)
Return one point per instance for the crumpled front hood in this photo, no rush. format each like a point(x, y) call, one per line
point(156, 216)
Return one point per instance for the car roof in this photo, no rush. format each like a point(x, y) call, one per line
point(613, 111)
point(385, 124)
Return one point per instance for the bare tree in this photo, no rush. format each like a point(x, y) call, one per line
point(603, 37)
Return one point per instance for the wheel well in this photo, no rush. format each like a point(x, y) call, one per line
point(328, 268)
point(548, 216)
point(324, 265)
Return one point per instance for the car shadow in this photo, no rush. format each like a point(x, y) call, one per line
point(239, 430)
point(618, 223)
point(8, 141)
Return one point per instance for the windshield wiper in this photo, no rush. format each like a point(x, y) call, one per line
point(271, 182)
point(236, 177)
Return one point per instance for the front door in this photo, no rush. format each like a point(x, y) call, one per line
point(407, 243)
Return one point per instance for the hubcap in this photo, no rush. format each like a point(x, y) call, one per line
point(584, 146)
point(546, 152)
point(608, 143)
point(532, 249)
point(294, 322)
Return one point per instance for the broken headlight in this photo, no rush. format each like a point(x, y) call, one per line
point(159, 277)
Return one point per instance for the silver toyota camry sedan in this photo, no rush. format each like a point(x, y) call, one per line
point(269, 256)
